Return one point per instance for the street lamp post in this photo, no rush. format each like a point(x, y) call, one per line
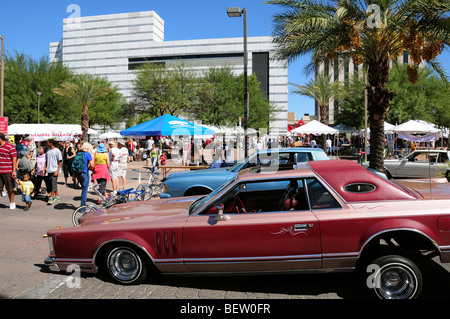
point(237, 12)
point(39, 106)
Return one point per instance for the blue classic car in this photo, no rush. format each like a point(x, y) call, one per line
point(200, 182)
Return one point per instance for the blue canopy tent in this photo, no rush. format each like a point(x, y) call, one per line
point(167, 125)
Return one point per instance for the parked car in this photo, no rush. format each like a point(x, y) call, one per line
point(419, 164)
point(323, 216)
point(200, 182)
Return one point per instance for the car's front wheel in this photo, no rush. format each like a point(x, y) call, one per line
point(125, 265)
point(396, 277)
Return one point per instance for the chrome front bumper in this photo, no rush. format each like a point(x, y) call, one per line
point(51, 263)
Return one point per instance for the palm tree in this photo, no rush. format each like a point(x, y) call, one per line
point(353, 28)
point(84, 90)
point(322, 90)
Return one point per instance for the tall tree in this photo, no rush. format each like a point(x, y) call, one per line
point(322, 90)
point(24, 77)
point(84, 90)
point(427, 99)
point(160, 90)
point(372, 33)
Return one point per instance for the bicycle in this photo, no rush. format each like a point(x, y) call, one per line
point(122, 196)
point(153, 186)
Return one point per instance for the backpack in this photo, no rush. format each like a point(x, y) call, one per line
point(78, 164)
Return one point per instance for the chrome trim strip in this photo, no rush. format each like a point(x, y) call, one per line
point(219, 259)
point(172, 261)
point(341, 255)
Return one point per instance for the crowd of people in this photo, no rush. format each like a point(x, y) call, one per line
point(25, 165)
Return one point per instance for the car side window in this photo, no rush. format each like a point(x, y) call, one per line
point(319, 196)
point(304, 157)
point(443, 158)
point(263, 197)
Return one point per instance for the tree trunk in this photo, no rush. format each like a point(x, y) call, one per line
point(323, 120)
point(85, 123)
point(379, 98)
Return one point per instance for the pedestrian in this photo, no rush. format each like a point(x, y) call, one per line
point(24, 165)
point(149, 144)
point(32, 150)
point(329, 145)
point(130, 147)
point(123, 159)
point(8, 168)
point(53, 163)
point(27, 189)
point(154, 156)
point(68, 154)
point(114, 154)
point(80, 165)
point(41, 172)
point(101, 169)
point(163, 158)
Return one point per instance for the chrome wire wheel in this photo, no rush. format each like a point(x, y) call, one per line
point(397, 278)
point(125, 265)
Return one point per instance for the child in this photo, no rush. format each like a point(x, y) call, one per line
point(27, 188)
point(163, 158)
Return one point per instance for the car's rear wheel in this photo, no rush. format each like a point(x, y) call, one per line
point(396, 277)
point(125, 265)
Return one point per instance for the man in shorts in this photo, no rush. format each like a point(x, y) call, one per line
point(53, 164)
point(123, 160)
point(8, 168)
point(114, 166)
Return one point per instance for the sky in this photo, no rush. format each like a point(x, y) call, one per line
point(29, 26)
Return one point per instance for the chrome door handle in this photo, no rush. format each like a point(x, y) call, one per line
point(302, 226)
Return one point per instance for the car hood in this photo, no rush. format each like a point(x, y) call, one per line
point(438, 188)
point(200, 172)
point(157, 213)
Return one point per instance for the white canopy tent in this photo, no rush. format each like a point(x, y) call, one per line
point(425, 132)
point(42, 132)
point(314, 127)
point(109, 135)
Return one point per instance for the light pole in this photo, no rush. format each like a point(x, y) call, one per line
point(39, 105)
point(2, 74)
point(237, 12)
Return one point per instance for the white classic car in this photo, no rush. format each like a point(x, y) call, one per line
point(419, 164)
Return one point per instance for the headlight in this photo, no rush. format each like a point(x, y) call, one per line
point(50, 245)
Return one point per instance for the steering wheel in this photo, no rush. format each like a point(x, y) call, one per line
point(239, 205)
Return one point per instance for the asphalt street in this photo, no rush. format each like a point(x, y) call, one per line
point(23, 274)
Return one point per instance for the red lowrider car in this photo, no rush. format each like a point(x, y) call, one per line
point(323, 216)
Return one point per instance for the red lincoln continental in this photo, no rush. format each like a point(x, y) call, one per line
point(322, 216)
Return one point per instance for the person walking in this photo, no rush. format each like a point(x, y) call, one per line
point(123, 159)
point(27, 189)
point(101, 169)
point(41, 173)
point(154, 156)
point(114, 153)
point(53, 163)
point(68, 154)
point(81, 163)
point(8, 168)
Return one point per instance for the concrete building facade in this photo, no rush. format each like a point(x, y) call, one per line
point(114, 45)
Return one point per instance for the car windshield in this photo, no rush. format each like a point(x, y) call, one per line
point(200, 201)
point(238, 166)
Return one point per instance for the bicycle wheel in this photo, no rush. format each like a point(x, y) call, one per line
point(158, 189)
point(144, 192)
point(80, 212)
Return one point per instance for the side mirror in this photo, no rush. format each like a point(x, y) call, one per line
point(220, 216)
